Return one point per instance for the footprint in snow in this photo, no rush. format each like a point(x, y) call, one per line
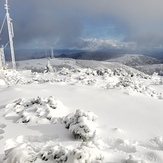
point(118, 130)
point(1, 137)
point(152, 156)
point(2, 131)
point(125, 146)
point(2, 126)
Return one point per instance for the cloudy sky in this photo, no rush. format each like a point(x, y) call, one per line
point(71, 23)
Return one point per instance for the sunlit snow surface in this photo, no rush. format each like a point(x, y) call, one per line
point(72, 111)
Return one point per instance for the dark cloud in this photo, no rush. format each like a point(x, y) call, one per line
point(63, 22)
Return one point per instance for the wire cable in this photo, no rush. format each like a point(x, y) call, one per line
point(2, 25)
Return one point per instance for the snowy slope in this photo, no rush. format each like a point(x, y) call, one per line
point(143, 63)
point(150, 69)
point(80, 111)
point(135, 60)
point(39, 64)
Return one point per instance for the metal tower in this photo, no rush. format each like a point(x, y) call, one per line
point(2, 58)
point(11, 34)
point(52, 53)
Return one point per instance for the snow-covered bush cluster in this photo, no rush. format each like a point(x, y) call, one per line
point(127, 82)
point(156, 79)
point(117, 78)
point(38, 109)
point(104, 71)
point(22, 153)
point(40, 80)
point(131, 83)
point(84, 154)
point(88, 81)
point(133, 159)
point(158, 142)
point(49, 110)
point(48, 68)
point(124, 145)
point(134, 84)
point(64, 71)
point(56, 153)
point(11, 77)
point(101, 77)
point(81, 124)
point(89, 71)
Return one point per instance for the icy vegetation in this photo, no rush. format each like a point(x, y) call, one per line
point(57, 153)
point(36, 109)
point(81, 124)
point(104, 77)
point(68, 111)
point(10, 77)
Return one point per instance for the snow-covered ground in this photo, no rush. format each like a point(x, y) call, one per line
point(80, 111)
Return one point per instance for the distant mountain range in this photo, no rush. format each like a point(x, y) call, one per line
point(146, 64)
point(137, 61)
point(88, 55)
point(127, 59)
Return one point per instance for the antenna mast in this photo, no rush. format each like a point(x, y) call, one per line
point(11, 34)
point(52, 53)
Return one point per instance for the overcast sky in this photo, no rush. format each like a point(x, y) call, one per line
point(67, 23)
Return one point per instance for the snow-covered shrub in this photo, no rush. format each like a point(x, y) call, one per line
point(133, 159)
point(61, 154)
point(109, 86)
point(13, 77)
point(160, 96)
point(89, 71)
point(81, 124)
point(125, 145)
point(132, 83)
point(156, 79)
point(64, 71)
point(120, 72)
point(89, 81)
point(37, 100)
point(158, 141)
point(22, 153)
point(36, 110)
point(84, 154)
point(82, 77)
point(104, 71)
point(143, 75)
point(48, 68)
point(125, 82)
point(76, 70)
point(40, 80)
point(52, 102)
point(57, 153)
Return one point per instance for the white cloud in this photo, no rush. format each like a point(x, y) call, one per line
point(139, 21)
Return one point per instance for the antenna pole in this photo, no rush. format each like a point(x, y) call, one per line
point(52, 53)
point(11, 34)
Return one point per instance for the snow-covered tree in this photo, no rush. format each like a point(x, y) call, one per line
point(48, 68)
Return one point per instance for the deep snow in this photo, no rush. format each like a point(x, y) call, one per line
point(115, 111)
